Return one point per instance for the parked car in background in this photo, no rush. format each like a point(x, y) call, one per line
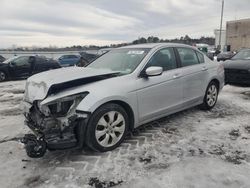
point(205, 49)
point(237, 69)
point(25, 66)
point(83, 62)
point(210, 55)
point(69, 60)
point(223, 56)
point(89, 56)
point(2, 59)
point(121, 90)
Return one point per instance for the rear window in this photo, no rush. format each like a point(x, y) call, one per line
point(72, 56)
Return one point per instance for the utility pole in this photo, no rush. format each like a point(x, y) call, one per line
point(221, 20)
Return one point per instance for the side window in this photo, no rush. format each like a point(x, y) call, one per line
point(200, 57)
point(64, 57)
point(40, 60)
point(164, 58)
point(188, 57)
point(21, 61)
point(72, 56)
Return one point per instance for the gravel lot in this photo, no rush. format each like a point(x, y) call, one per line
point(193, 148)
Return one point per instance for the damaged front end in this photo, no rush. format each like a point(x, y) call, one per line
point(56, 125)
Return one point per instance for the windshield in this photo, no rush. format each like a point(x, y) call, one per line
point(9, 60)
point(124, 61)
point(243, 54)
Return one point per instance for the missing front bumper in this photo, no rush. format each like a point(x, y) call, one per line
point(53, 133)
point(42, 140)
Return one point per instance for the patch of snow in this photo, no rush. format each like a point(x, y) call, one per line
point(193, 148)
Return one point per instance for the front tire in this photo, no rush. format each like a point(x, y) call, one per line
point(3, 76)
point(107, 127)
point(211, 96)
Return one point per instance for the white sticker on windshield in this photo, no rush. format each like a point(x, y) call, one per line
point(136, 52)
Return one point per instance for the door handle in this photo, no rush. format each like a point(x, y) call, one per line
point(204, 68)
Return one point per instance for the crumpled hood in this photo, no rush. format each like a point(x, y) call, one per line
point(50, 82)
point(237, 64)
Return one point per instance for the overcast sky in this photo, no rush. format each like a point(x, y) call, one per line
point(84, 22)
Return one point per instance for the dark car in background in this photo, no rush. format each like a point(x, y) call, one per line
point(69, 60)
point(237, 69)
point(89, 56)
point(2, 59)
point(223, 56)
point(210, 55)
point(25, 66)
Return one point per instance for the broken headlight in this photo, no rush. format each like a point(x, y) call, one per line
point(63, 106)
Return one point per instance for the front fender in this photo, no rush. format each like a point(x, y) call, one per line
point(5, 70)
point(91, 102)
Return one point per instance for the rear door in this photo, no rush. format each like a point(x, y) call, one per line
point(195, 75)
point(159, 95)
point(41, 65)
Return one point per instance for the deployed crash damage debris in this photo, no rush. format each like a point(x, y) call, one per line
point(56, 126)
point(56, 123)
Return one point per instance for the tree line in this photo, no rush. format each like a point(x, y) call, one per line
point(141, 40)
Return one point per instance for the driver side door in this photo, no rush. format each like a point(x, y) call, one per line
point(160, 95)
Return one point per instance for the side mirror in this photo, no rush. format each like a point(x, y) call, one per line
point(153, 71)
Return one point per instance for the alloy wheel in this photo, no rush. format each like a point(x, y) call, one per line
point(2, 76)
point(212, 94)
point(110, 129)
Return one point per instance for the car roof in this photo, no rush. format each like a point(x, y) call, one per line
point(70, 55)
point(154, 45)
point(246, 49)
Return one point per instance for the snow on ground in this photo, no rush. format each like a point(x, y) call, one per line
point(193, 148)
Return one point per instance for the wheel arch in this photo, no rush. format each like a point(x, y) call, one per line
point(128, 110)
point(212, 80)
point(6, 73)
point(215, 81)
point(92, 102)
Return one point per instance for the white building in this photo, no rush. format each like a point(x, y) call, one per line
point(238, 34)
point(217, 38)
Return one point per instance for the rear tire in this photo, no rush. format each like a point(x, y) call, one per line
point(107, 127)
point(3, 76)
point(211, 96)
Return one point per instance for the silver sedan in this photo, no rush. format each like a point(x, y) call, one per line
point(126, 87)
